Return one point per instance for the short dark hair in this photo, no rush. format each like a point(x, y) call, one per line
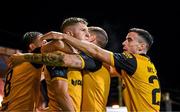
point(102, 39)
point(144, 34)
point(29, 38)
point(71, 21)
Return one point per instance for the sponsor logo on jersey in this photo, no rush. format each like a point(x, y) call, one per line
point(76, 82)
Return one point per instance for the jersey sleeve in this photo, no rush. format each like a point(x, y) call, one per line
point(56, 72)
point(125, 61)
point(90, 64)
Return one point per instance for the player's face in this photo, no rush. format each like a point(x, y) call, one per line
point(80, 31)
point(131, 44)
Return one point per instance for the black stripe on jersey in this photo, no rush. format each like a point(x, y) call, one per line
point(91, 64)
point(122, 61)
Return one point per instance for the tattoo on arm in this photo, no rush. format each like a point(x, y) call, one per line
point(53, 59)
point(33, 57)
point(50, 59)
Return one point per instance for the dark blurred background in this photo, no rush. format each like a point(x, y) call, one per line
point(162, 21)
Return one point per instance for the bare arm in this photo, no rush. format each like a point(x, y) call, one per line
point(63, 99)
point(88, 48)
point(55, 45)
point(57, 58)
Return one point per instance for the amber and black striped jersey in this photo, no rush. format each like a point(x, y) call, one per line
point(74, 78)
point(141, 89)
point(22, 87)
point(96, 87)
point(52, 104)
point(75, 87)
point(96, 84)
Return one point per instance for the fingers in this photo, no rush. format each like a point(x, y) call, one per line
point(52, 35)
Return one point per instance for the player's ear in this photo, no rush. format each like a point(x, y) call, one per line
point(141, 46)
point(69, 33)
point(32, 47)
point(92, 38)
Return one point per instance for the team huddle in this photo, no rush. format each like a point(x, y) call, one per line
point(77, 71)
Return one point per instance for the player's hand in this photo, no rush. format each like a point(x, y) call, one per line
point(52, 35)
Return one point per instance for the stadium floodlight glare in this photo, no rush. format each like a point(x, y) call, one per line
point(116, 108)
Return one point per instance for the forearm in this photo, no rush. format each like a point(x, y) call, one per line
point(90, 49)
point(62, 96)
point(57, 58)
point(51, 59)
point(56, 45)
point(84, 46)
